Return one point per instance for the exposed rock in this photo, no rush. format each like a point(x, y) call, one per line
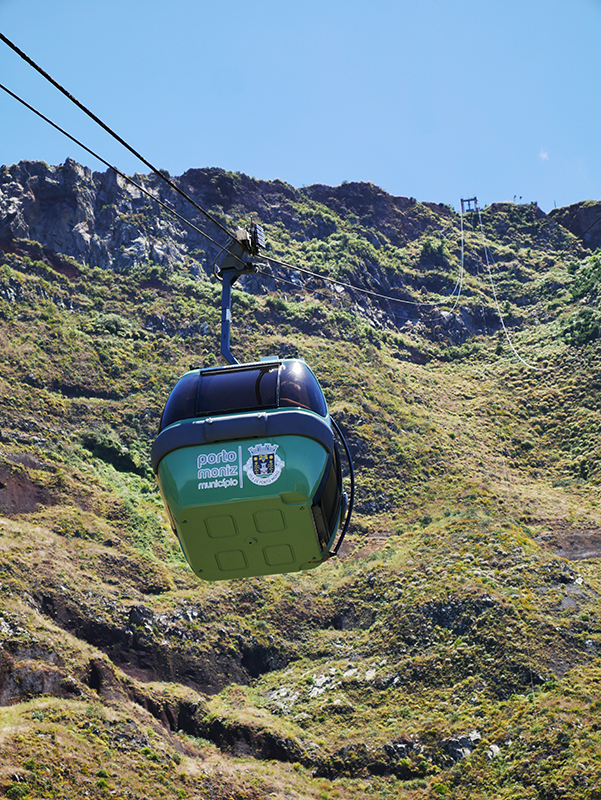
point(583, 220)
point(34, 671)
point(160, 648)
point(402, 757)
point(250, 740)
point(101, 220)
point(458, 747)
point(18, 493)
point(493, 751)
point(573, 545)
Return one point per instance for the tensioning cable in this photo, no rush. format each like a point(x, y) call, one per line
point(348, 286)
point(459, 282)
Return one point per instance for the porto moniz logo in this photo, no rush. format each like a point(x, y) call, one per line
point(264, 466)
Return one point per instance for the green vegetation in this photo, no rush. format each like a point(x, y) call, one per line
point(453, 650)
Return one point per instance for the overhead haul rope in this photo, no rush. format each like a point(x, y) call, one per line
point(348, 286)
point(172, 185)
point(191, 224)
point(579, 237)
point(279, 279)
point(459, 281)
point(176, 213)
point(116, 136)
point(117, 171)
point(270, 259)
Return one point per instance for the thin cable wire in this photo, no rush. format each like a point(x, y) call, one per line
point(494, 291)
point(269, 258)
point(588, 229)
point(578, 238)
point(370, 292)
point(194, 227)
point(461, 267)
point(345, 285)
point(277, 278)
point(304, 286)
point(176, 188)
point(170, 183)
point(117, 171)
point(116, 136)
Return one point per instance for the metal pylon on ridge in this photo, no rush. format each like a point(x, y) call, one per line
point(466, 205)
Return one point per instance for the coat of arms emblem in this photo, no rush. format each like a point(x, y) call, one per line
point(264, 465)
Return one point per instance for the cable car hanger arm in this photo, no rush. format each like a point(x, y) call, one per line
point(247, 242)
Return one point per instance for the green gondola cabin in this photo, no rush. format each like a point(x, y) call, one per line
point(249, 469)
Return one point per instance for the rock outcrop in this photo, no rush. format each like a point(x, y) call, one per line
point(583, 220)
point(396, 246)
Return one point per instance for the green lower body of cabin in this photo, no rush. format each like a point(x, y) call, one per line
point(243, 508)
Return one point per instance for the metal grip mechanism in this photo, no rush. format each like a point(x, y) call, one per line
point(248, 242)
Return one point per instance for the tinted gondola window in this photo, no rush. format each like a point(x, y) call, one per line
point(332, 490)
point(299, 388)
point(225, 391)
point(182, 400)
point(237, 390)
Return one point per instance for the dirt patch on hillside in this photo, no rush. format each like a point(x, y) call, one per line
point(19, 495)
point(573, 545)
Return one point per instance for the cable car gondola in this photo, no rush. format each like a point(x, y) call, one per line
point(247, 462)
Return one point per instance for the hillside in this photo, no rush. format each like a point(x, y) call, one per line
point(452, 650)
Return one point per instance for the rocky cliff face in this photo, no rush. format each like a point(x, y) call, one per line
point(583, 220)
point(96, 218)
point(103, 221)
point(394, 246)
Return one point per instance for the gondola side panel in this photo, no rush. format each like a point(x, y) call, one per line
point(243, 508)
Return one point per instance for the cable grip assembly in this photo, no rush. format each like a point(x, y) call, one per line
point(247, 242)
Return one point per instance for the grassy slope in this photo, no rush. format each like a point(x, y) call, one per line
point(445, 615)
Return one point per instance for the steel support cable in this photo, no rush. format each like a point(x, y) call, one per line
point(334, 281)
point(370, 292)
point(459, 282)
point(578, 238)
point(116, 136)
point(494, 291)
point(125, 177)
point(174, 186)
point(302, 286)
point(343, 284)
point(192, 225)
point(278, 278)
point(581, 236)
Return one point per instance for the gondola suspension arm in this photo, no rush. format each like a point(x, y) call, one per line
point(247, 242)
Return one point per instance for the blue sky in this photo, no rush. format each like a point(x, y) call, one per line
point(436, 99)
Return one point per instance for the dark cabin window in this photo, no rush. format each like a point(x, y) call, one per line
point(299, 388)
point(330, 499)
point(225, 391)
point(181, 403)
point(237, 390)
